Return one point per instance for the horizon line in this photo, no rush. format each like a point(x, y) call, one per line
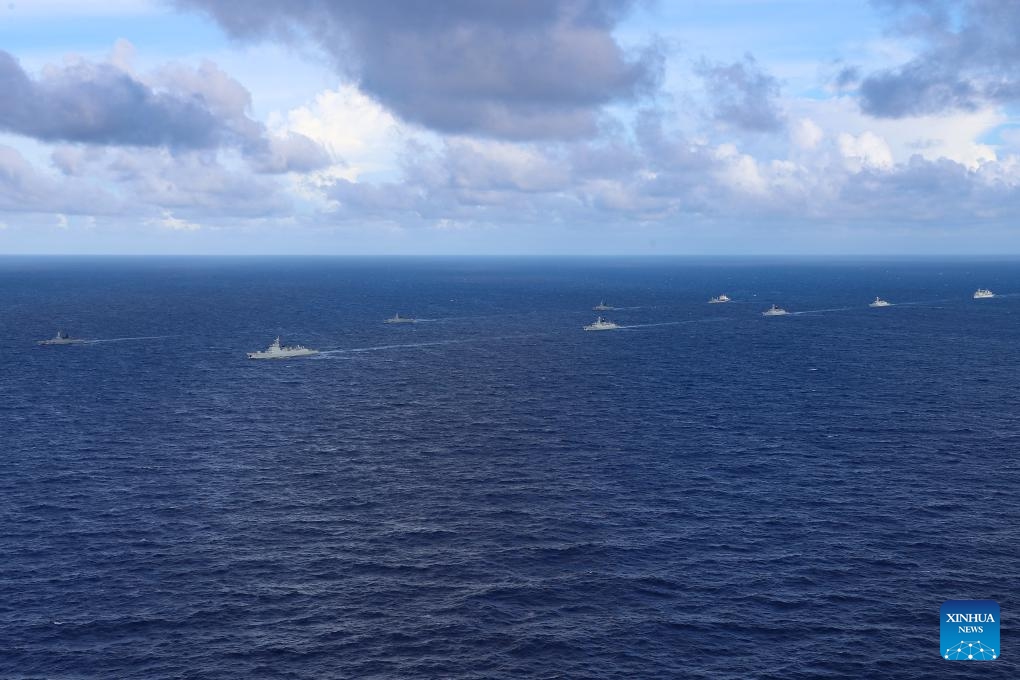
point(954, 256)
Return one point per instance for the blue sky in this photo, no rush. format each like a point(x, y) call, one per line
point(509, 127)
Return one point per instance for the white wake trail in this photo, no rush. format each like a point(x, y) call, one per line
point(411, 345)
point(139, 337)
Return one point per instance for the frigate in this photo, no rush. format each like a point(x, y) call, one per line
point(775, 311)
point(61, 338)
point(601, 325)
point(276, 351)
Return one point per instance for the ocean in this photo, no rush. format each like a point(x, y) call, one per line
point(492, 492)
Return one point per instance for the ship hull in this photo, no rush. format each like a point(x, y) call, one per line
point(282, 355)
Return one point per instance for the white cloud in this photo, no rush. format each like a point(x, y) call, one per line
point(806, 134)
point(504, 166)
point(739, 171)
point(954, 137)
point(866, 150)
point(168, 221)
point(363, 137)
point(831, 164)
point(446, 224)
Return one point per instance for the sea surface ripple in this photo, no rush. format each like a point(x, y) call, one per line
point(495, 493)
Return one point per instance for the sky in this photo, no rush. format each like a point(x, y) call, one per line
point(514, 127)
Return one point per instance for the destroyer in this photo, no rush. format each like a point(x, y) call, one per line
point(275, 351)
point(879, 302)
point(603, 307)
point(61, 338)
point(396, 318)
point(981, 293)
point(601, 325)
point(717, 300)
point(775, 311)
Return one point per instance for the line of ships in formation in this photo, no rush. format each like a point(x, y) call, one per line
point(279, 351)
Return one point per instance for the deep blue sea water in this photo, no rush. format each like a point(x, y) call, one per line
point(493, 493)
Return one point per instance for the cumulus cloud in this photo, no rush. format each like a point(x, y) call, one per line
point(203, 183)
point(846, 78)
point(965, 63)
point(182, 108)
point(168, 221)
point(141, 182)
point(17, 177)
point(100, 104)
point(360, 134)
point(652, 174)
point(471, 116)
point(503, 166)
point(806, 134)
point(865, 150)
point(514, 69)
point(914, 89)
point(947, 191)
point(742, 95)
point(291, 152)
point(74, 160)
point(962, 137)
point(24, 188)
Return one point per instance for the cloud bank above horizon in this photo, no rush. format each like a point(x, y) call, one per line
point(510, 126)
